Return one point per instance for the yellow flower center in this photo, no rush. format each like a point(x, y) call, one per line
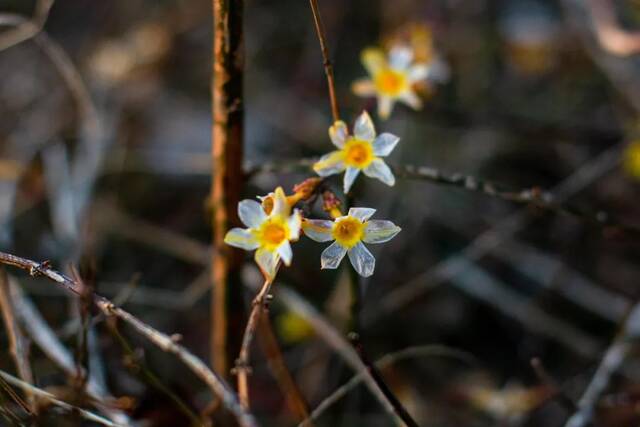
point(272, 233)
point(358, 153)
point(632, 159)
point(390, 82)
point(348, 231)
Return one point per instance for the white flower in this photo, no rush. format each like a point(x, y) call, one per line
point(360, 152)
point(269, 233)
point(348, 233)
point(391, 79)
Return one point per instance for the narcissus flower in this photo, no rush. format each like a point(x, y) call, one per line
point(268, 233)
point(348, 233)
point(360, 152)
point(391, 79)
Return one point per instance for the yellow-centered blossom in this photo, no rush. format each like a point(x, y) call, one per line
point(348, 234)
point(268, 233)
point(359, 152)
point(391, 79)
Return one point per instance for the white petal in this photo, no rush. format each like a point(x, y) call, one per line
point(318, 229)
point(330, 164)
point(363, 128)
point(379, 169)
point(241, 238)
point(380, 231)
point(267, 261)
point(373, 60)
point(418, 72)
point(285, 252)
point(295, 222)
point(338, 133)
point(349, 176)
point(332, 256)
point(400, 57)
point(362, 214)
point(251, 213)
point(364, 87)
point(385, 105)
point(362, 260)
point(384, 144)
point(280, 205)
point(411, 99)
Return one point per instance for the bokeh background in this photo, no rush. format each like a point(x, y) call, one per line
point(105, 138)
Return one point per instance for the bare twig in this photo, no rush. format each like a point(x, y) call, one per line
point(385, 361)
point(612, 37)
point(398, 408)
point(242, 367)
point(611, 362)
point(271, 349)
point(228, 116)
point(163, 341)
point(49, 344)
point(484, 243)
point(326, 62)
point(41, 394)
point(17, 347)
point(29, 28)
point(334, 339)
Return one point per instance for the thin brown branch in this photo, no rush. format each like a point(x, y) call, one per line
point(29, 28)
point(326, 62)
point(41, 394)
point(161, 340)
point(17, 347)
point(385, 361)
point(43, 336)
point(269, 343)
point(335, 340)
point(227, 112)
point(242, 367)
point(398, 408)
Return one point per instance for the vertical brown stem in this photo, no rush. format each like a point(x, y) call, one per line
point(226, 150)
point(328, 67)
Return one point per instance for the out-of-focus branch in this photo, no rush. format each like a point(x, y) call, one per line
point(242, 367)
point(385, 361)
point(612, 37)
point(613, 359)
point(17, 347)
point(326, 62)
point(398, 408)
point(226, 151)
point(29, 28)
point(335, 340)
point(41, 394)
point(486, 241)
point(270, 347)
point(161, 340)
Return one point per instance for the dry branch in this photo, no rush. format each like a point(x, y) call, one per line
point(242, 368)
point(326, 62)
point(17, 348)
point(611, 362)
point(226, 151)
point(163, 341)
point(41, 394)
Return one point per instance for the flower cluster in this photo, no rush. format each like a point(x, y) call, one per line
point(274, 223)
